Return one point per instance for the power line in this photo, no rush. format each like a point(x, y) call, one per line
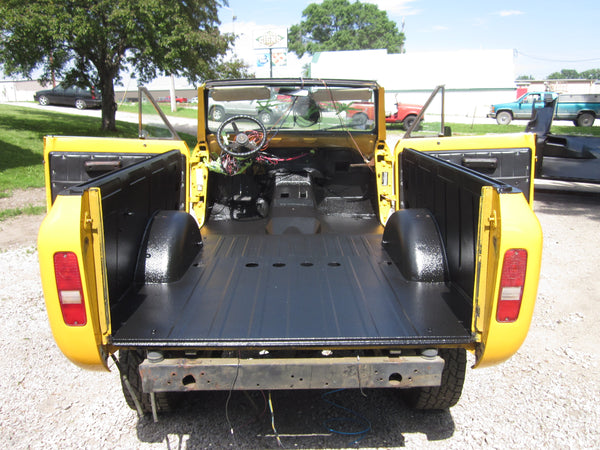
point(518, 52)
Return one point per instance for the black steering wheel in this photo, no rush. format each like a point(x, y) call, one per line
point(244, 143)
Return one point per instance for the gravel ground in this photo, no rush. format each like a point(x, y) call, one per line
point(548, 395)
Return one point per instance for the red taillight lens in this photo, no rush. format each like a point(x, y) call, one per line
point(512, 281)
point(70, 292)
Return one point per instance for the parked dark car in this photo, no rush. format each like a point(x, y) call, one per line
point(80, 98)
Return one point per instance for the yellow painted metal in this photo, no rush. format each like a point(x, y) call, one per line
point(384, 163)
point(69, 227)
point(202, 125)
point(79, 144)
point(386, 188)
point(462, 143)
point(381, 127)
point(198, 181)
point(99, 262)
point(74, 223)
point(507, 223)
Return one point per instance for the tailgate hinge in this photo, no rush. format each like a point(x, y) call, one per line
point(493, 220)
point(88, 222)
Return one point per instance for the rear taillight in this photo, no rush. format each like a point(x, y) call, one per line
point(70, 291)
point(512, 282)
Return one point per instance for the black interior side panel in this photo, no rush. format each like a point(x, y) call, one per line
point(511, 166)
point(451, 193)
point(70, 169)
point(130, 197)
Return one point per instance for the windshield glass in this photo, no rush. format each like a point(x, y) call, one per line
point(298, 107)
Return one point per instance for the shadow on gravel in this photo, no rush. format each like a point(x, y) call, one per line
point(301, 418)
point(568, 204)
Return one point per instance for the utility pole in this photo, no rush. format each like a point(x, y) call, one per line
point(172, 92)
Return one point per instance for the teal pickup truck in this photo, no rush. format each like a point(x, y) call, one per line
point(582, 109)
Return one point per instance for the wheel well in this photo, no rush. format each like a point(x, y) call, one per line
point(579, 113)
point(506, 111)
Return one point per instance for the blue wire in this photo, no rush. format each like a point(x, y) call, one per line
point(356, 419)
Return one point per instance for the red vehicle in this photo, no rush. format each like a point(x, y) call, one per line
point(168, 99)
point(406, 114)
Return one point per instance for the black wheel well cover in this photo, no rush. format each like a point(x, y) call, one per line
point(171, 242)
point(412, 240)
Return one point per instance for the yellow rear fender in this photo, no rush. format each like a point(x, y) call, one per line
point(512, 235)
point(66, 241)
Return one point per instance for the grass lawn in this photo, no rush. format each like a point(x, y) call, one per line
point(21, 146)
point(190, 112)
point(22, 130)
point(464, 129)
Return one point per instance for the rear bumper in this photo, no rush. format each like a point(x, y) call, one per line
point(96, 103)
point(182, 374)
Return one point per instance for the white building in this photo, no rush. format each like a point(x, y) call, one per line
point(474, 79)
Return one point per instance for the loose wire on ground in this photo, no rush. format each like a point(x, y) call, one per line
point(356, 418)
point(273, 421)
point(237, 372)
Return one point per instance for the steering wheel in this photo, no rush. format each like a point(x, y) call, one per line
point(245, 143)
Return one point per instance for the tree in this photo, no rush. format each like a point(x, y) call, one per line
point(341, 25)
point(89, 42)
point(591, 74)
point(571, 74)
point(564, 74)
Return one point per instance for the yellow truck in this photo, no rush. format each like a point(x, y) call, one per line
point(299, 254)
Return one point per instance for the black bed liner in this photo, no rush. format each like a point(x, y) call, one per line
point(305, 291)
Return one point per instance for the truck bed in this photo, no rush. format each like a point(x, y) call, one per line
point(303, 291)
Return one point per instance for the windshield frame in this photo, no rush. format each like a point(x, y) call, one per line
point(333, 118)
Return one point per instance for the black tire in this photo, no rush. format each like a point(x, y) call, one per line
point(448, 393)
point(359, 120)
point(265, 117)
point(130, 360)
point(217, 113)
point(408, 121)
point(503, 118)
point(43, 100)
point(585, 120)
point(80, 104)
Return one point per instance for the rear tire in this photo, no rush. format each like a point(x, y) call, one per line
point(265, 117)
point(359, 120)
point(130, 361)
point(408, 121)
point(585, 120)
point(80, 104)
point(503, 118)
point(448, 393)
point(216, 113)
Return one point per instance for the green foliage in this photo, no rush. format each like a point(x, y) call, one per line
point(89, 43)
point(147, 109)
point(21, 141)
point(571, 74)
point(525, 77)
point(592, 74)
point(341, 25)
point(27, 210)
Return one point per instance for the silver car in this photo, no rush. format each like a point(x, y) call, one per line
point(267, 111)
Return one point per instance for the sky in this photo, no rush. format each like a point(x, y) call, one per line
point(546, 36)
